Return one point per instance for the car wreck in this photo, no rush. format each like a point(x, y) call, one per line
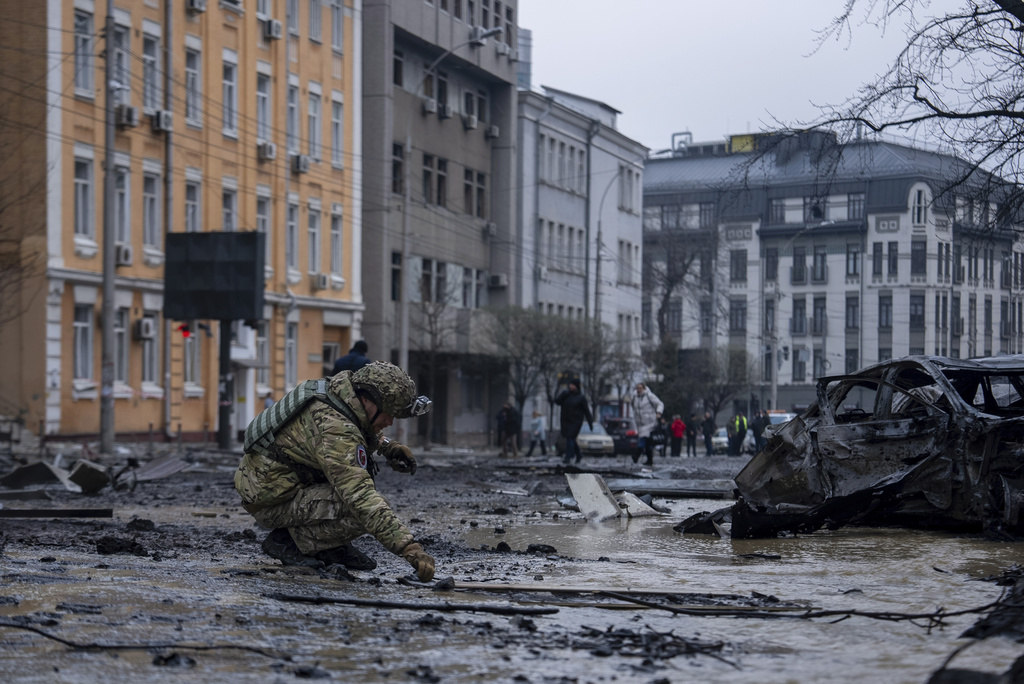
point(920, 441)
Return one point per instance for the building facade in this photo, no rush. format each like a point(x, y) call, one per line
point(579, 253)
point(439, 212)
point(821, 259)
point(237, 115)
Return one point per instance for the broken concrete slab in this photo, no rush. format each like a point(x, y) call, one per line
point(160, 468)
point(38, 473)
point(593, 497)
point(634, 506)
point(91, 477)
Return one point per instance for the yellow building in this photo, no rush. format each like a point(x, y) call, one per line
point(255, 125)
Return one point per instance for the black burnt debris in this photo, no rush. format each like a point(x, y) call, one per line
point(921, 441)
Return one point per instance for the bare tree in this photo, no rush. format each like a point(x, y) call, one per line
point(717, 376)
point(521, 340)
point(958, 81)
point(680, 264)
point(436, 327)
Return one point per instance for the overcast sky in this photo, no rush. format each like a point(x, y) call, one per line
point(710, 68)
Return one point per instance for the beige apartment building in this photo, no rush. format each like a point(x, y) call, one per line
point(232, 115)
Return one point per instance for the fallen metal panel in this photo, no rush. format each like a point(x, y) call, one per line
point(634, 506)
point(675, 489)
point(593, 496)
point(160, 468)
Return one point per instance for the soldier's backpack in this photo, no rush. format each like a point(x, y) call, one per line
point(260, 433)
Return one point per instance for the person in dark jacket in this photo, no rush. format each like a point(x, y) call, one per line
point(708, 427)
point(692, 430)
point(574, 411)
point(511, 426)
point(354, 360)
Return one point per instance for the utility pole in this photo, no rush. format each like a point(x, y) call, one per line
point(109, 200)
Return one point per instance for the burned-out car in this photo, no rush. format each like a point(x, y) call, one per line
point(920, 441)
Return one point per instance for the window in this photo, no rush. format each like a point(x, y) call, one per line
point(151, 233)
point(263, 223)
point(398, 68)
point(738, 316)
point(814, 209)
point(121, 346)
point(799, 364)
point(122, 68)
point(707, 214)
point(855, 206)
point(920, 211)
point(313, 239)
point(397, 169)
point(509, 26)
point(337, 25)
point(150, 72)
point(313, 119)
point(481, 195)
point(852, 312)
point(85, 223)
point(151, 352)
point(777, 210)
point(292, 124)
point(262, 8)
point(263, 353)
point(122, 206)
point(193, 88)
point(315, 18)
point(230, 97)
point(83, 53)
point(291, 13)
point(193, 358)
point(192, 207)
point(916, 311)
point(852, 361)
point(852, 260)
point(919, 257)
point(337, 133)
point(706, 318)
point(799, 270)
point(820, 321)
point(799, 323)
point(771, 263)
point(428, 178)
point(229, 209)
point(263, 121)
point(336, 226)
point(820, 363)
point(442, 88)
point(468, 191)
point(885, 311)
point(467, 288)
point(894, 258)
point(819, 273)
point(83, 334)
point(738, 265)
point(291, 236)
point(457, 9)
point(884, 353)
point(485, 13)
point(396, 276)
point(876, 259)
point(442, 182)
point(291, 355)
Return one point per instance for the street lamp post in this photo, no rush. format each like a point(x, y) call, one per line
point(597, 267)
point(403, 342)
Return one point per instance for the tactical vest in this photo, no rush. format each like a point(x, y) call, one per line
point(261, 431)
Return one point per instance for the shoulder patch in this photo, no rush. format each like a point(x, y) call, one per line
point(361, 457)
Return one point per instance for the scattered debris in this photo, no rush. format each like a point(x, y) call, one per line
point(174, 660)
point(24, 495)
point(90, 476)
point(676, 489)
point(401, 605)
point(110, 545)
point(160, 468)
point(37, 473)
point(57, 513)
point(597, 503)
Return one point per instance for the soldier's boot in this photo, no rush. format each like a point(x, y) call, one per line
point(280, 545)
point(347, 555)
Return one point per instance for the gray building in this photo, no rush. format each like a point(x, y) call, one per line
point(439, 211)
point(820, 259)
point(579, 206)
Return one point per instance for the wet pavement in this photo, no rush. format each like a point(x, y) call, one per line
point(191, 597)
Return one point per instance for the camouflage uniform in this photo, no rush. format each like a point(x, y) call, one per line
point(329, 499)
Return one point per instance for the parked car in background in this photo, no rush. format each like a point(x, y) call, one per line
point(592, 442)
point(623, 434)
point(720, 441)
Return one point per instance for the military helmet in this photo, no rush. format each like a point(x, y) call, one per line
point(390, 388)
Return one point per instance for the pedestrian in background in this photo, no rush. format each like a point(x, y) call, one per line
point(574, 411)
point(738, 431)
point(513, 426)
point(708, 427)
point(354, 360)
point(538, 433)
point(647, 408)
point(678, 429)
point(692, 429)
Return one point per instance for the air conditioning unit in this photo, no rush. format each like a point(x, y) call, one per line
point(475, 36)
point(470, 122)
point(498, 281)
point(300, 163)
point(122, 255)
point(272, 29)
point(490, 229)
point(161, 120)
point(195, 6)
point(266, 151)
point(542, 272)
point(126, 116)
point(320, 281)
point(493, 132)
point(430, 106)
point(144, 329)
point(504, 49)
point(445, 111)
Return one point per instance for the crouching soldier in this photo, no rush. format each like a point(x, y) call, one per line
point(308, 469)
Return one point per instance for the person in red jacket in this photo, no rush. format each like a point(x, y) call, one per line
point(678, 429)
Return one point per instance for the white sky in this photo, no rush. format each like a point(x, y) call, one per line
point(711, 68)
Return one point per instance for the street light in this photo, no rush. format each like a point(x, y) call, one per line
point(403, 342)
point(597, 268)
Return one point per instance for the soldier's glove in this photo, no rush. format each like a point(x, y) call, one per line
point(419, 559)
point(399, 457)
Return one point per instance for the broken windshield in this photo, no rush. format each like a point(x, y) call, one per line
point(996, 393)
